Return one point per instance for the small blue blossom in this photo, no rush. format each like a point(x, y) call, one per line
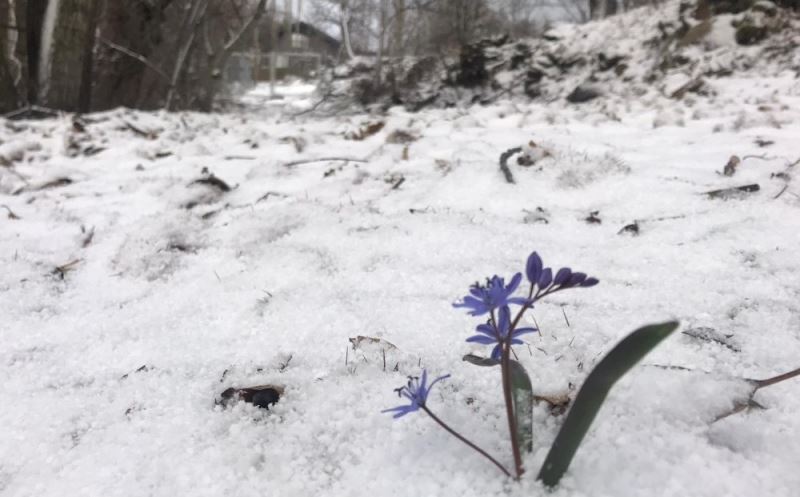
point(494, 294)
point(489, 335)
point(416, 391)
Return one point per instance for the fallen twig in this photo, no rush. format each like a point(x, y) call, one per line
point(11, 214)
point(31, 111)
point(785, 187)
point(504, 163)
point(322, 159)
point(749, 402)
point(728, 192)
point(63, 269)
point(144, 134)
point(239, 157)
point(214, 181)
point(711, 335)
point(88, 236)
point(760, 157)
point(314, 107)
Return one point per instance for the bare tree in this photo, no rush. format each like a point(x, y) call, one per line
point(9, 89)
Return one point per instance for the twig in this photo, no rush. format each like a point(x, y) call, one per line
point(63, 269)
point(726, 192)
point(239, 157)
point(565, 318)
point(139, 131)
point(761, 157)
point(504, 163)
point(785, 187)
point(130, 53)
point(11, 214)
point(777, 379)
point(322, 159)
point(314, 107)
point(30, 109)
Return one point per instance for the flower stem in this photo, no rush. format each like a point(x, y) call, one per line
point(777, 379)
point(470, 444)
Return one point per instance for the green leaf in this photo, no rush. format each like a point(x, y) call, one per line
point(521, 396)
point(593, 393)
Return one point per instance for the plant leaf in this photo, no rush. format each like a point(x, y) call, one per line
point(593, 393)
point(521, 396)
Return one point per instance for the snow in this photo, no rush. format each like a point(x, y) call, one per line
point(247, 289)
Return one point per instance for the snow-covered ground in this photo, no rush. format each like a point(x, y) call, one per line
point(265, 283)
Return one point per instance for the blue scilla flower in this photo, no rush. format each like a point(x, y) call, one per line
point(489, 334)
point(494, 294)
point(416, 391)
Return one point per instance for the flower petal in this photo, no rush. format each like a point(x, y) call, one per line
point(546, 278)
point(513, 284)
point(533, 269)
point(589, 282)
point(504, 321)
point(522, 331)
point(576, 279)
point(486, 329)
point(443, 377)
point(562, 276)
point(482, 339)
point(496, 352)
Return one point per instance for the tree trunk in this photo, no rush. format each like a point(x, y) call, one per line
point(9, 94)
point(398, 47)
point(218, 61)
point(87, 70)
point(34, 18)
point(594, 8)
point(136, 26)
point(345, 26)
point(62, 53)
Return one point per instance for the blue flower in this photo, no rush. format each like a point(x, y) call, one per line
point(496, 293)
point(416, 391)
point(488, 334)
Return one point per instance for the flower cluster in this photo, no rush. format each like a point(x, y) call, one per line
point(495, 295)
point(495, 298)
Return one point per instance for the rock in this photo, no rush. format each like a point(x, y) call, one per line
point(532, 84)
point(521, 55)
point(696, 34)
point(605, 63)
point(261, 396)
point(748, 33)
point(472, 67)
point(583, 93)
